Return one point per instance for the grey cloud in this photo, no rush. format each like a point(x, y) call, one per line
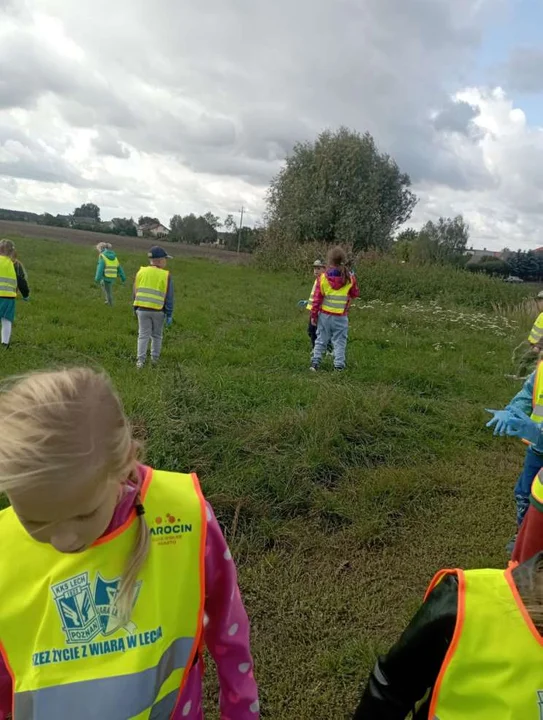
point(269, 74)
point(106, 144)
point(456, 117)
point(524, 70)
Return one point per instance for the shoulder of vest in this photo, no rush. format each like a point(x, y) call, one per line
point(173, 485)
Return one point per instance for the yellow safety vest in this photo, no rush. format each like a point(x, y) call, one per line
point(312, 296)
point(8, 278)
point(111, 268)
point(59, 632)
point(151, 287)
point(537, 398)
point(537, 487)
point(493, 669)
point(335, 301)
point(536, 334)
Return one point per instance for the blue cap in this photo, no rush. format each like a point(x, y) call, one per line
point(157, 252)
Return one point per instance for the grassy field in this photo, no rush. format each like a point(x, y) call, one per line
point(340, 495)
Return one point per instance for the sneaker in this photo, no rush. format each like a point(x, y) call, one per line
point(5, 346)
point(313, 368)
point(140, 366)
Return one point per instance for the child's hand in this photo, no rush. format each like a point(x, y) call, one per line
point(522, 426)
point(499, 420)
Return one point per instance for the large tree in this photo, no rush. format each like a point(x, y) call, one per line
point(192, 229)
point(443, 241)
point(87, 211)
point(340, 189)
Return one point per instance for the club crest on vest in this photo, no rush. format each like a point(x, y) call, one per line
point(85, 612)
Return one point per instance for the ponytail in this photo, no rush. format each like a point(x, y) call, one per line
point(125, 596)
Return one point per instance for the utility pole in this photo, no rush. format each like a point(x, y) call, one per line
point(240, 227)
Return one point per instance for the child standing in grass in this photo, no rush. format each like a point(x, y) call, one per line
point(335, 290)
point(318, 269)
point(153, 304)
point(472, 651)
point(115, 575)
point(12, 279)
point(107, 270)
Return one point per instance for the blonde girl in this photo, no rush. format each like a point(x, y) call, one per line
point(107, 270)
point(12, 280)
point(114, 575)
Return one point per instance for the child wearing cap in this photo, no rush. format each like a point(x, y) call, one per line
point(318, 269)
point(107, 270)
point(153, 304)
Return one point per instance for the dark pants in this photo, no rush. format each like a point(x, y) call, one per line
point(312, 332)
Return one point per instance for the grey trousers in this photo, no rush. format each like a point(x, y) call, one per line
point(151, 327)
point(107, 289)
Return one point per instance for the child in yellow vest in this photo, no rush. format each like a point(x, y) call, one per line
point(153, 304)
point(536, 333)
point(318, 268)
point(107, 270)
point(12, 281)
point(473, 651)
point(114, 575)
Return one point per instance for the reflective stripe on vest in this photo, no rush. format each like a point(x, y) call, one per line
point(8, 278)
point(335, 302)
point(111, 267)
point(537, 397)
point(312, 296)
point(494, 665)
point(151, 287)
point(60, 634)
point(537, 331)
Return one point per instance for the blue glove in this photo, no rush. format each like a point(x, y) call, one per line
point(169, 321)
point(302, 303)
point(521, 426)
point(500, 419)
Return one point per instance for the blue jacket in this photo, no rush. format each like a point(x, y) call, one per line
point(523, 400)
point(102, 266)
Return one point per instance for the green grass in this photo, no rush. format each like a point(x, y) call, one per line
point(340, 495)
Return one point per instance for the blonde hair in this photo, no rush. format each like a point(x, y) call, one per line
point(103, 246)
point(53, 425)
point(6, 247)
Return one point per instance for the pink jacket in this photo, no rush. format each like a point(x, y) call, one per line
point(226, 631)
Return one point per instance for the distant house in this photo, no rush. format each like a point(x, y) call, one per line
point(478, 255)
point(156, 230)
point(108, 225)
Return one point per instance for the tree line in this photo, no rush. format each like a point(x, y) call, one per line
point(337, 189)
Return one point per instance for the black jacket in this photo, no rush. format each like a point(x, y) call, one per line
point(22, 284)
point(406, 676)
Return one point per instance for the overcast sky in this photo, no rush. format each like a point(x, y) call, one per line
point(172, 106)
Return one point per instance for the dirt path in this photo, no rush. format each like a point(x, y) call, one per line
point(84, 237)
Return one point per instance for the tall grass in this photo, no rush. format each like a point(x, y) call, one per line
point(340, 495)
